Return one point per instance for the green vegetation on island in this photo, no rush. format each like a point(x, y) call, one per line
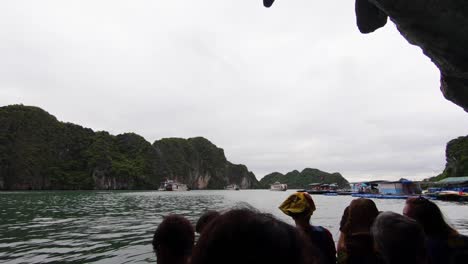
point(39, 152)
point(456, 156)
point(301, 180)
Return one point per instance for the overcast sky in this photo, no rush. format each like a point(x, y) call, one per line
point(279, 89)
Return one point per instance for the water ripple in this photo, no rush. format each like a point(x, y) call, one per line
point(117, 226)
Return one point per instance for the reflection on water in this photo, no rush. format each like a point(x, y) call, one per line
point(117, 227)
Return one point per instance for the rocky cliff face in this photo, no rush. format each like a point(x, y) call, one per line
point(201, 164)
point(456, 155)
point(301, 180)
point(39, 152)
point(439, 27)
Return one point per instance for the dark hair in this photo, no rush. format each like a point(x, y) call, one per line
point(358, 216)
point(429, 216)
point(205, 219)
point(176, 235)
point(399, 239)
point(245, 236)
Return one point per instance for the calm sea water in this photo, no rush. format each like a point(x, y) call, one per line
point(117, 227)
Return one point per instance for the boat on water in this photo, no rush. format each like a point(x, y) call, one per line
point(277, 186)
point(449, 189)
point(232, 187)
point(454, 196)
point(170, 185)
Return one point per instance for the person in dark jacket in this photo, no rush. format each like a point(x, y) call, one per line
point(445, 244)
point(399, 239)
point(356, 243)
point(244, 236)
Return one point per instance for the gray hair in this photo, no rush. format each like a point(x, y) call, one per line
point(399, 239)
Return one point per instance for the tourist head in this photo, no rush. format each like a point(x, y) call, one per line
point(246, 236)
point(205, 219)
point(429, 216)
point(359, 216)
point(298, 205)
point(173, 240)
point(399, 239)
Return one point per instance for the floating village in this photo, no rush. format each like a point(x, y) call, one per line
point(448, 189)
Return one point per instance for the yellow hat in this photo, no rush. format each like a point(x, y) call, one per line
point(298, 203)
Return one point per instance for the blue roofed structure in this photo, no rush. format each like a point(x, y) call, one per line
point(400, 187)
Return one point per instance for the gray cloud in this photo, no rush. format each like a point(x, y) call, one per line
point(279, 89)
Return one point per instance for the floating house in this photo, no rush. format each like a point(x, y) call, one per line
point(366, 187)
point(401, 187)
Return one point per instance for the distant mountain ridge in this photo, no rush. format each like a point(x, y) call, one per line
point(39, 152)
point(301, 180)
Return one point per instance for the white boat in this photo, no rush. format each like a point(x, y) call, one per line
point(232, 187)
point(170, 185)
point(277, 186)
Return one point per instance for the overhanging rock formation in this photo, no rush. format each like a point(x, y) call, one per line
point(268, 3)
point(439, 27)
